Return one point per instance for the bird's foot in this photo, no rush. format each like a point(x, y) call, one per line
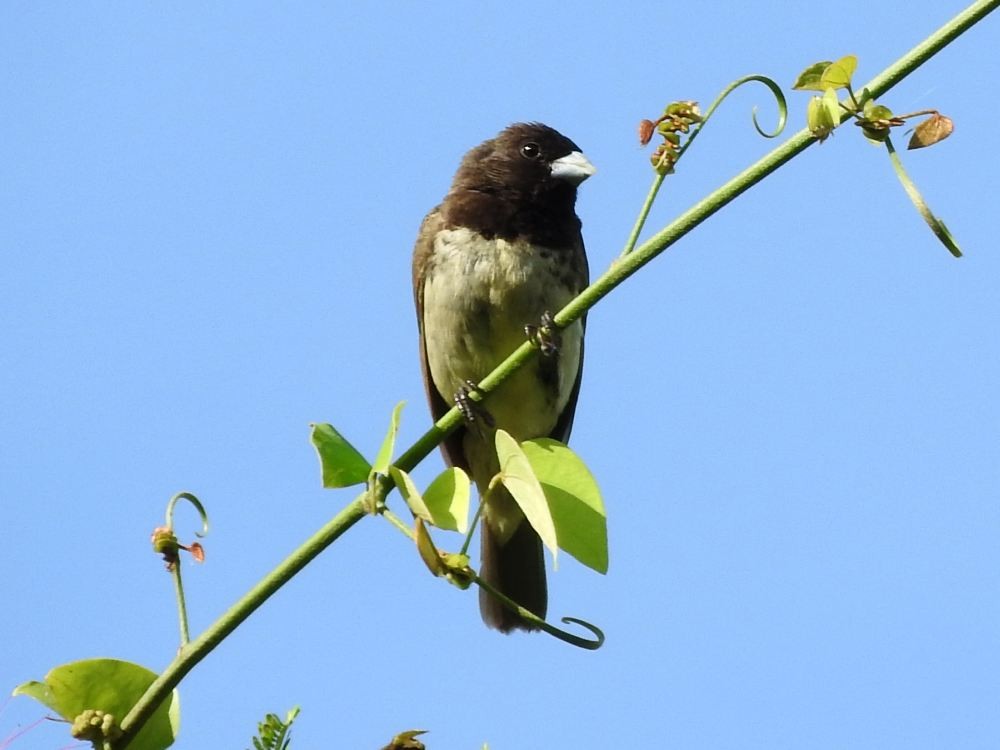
point(472, 410)
point(545, 335)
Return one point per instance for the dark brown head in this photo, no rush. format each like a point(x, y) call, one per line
point(523, 182)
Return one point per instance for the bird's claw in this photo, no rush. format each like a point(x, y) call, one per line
point(545, 335)
point(472, 410)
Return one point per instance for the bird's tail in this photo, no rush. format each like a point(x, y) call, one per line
point(516, 568)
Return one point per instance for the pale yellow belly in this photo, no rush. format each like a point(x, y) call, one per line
point(476, 304)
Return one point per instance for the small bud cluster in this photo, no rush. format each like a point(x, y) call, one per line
point(676, 120)
point(876, 121)
point(165, 543)
point(94, 725)
point(457, 570)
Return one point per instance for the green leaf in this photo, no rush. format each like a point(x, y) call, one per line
point(410, 494)
point(447, 500)
point(384, 455)
point(831, 103)
point(111, 686)
point(838, 74)
point(809, 79)
point(518, 477)
point(445, 503)
point(574, 500)
point(39, 691)
point(875, 111)
point(340, 461)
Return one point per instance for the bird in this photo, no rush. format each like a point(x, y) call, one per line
point(502, 251)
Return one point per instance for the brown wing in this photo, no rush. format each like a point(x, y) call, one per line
point(451, 448)
point(565, 423)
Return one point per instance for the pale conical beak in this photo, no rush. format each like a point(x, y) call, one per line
point(573, 168)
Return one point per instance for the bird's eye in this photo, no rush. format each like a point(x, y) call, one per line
point(531, 150)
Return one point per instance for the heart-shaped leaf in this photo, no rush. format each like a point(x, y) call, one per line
point(384, 455)
point(574, 501)
point(447, 500)
point(518, 477)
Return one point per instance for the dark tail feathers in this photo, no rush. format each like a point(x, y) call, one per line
point(517, 569)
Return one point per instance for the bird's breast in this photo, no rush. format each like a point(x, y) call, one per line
point(478, 295)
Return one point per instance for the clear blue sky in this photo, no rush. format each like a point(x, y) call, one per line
point(206, 219)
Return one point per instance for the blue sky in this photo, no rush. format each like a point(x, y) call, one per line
point(207, 215)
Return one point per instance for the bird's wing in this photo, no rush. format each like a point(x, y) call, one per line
point(433, 223)
point(565, 423)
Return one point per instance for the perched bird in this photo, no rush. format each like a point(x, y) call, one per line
point(503, 250)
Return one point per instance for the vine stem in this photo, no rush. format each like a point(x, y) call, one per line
point(176, 572)
point(181, 604)
point(647, 204)
point(472, 527)
point(199, 648)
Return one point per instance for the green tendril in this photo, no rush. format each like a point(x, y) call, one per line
point(654, 189)
point(562, 635)
point(198, 506)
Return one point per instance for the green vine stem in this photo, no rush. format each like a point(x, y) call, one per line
point(181, 604)
point(472, 527)
point(175, 569)
point(647, 204)
point(398, 523)
point(199, 648)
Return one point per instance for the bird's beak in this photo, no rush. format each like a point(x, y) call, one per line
point(573, 168)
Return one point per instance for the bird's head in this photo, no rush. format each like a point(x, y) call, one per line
point(529, 159)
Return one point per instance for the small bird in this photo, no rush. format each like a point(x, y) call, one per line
point(501, 252)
